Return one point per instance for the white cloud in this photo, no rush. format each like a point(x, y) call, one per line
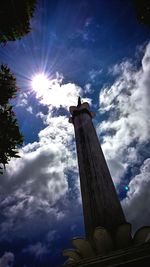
point(136, 204)
point(7, 259)
point(60, 94)
point(39, 188)
point(93, 74)
point(88, 88)
point(34, 187)
point(30, 109)
point(22, 99)
point(38, 250)
point(56, 94)
point(128, 104)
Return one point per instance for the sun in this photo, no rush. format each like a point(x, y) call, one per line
point(40, 82)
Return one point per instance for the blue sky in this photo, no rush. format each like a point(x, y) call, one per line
point(96, 49)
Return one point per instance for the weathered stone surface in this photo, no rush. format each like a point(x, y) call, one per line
point(84, 247)
point(133, 257)
point(142, 235)
point(108, 239)
point(123, 237)
point(101, 206)
point(105, 244)
point(72, 253)
point(103, 241)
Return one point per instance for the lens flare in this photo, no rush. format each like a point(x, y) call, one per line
point(40, 83)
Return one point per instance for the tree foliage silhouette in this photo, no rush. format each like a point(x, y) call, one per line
point(143, 11)
point(15, 18)
point(10, 136)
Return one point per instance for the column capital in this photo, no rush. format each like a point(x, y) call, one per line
point(82, 108)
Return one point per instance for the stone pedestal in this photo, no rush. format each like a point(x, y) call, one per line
point(131, 257)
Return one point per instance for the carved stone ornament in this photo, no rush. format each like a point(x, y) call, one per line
point(103, 243)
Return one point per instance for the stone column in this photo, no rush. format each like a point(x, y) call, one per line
point(101, 206)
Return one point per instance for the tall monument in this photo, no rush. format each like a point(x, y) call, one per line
point(101, 206)
point(108, 241)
